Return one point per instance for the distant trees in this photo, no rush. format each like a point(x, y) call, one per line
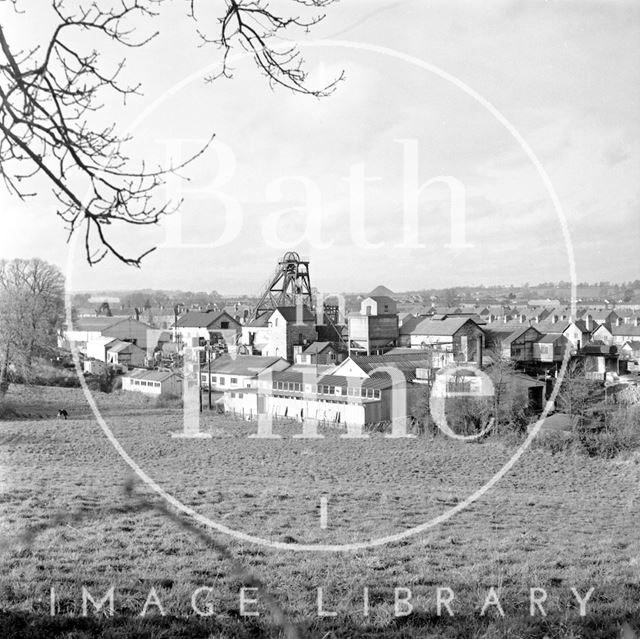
point(32, 311)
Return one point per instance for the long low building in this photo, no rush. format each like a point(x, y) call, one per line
point(359, 391)
point(153, 382)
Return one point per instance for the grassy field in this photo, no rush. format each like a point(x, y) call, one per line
point(554, 521)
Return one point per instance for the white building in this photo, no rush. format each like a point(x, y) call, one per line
point(238, 372)
point(155, 382)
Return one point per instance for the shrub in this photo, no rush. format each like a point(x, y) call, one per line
point(619, 432)
point(169, 401)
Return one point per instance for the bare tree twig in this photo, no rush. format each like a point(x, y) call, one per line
point(257, 29)
point(46, 96)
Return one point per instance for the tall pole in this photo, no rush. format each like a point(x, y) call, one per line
point(200, 381)
point(209, 378)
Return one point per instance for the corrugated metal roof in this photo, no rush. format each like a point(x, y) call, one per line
point(446, 327)
point(242, 364)
point(153, 375)
point(327, 379)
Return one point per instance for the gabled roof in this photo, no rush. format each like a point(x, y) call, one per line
point(118, 346)
point(444, 327)
point(316, 347)
point(248, 365)
point(606, 326)
point(508, 335)
point(202, 319)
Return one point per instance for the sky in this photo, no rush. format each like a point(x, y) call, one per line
point(470, 143)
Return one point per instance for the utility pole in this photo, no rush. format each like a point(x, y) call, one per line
point(209, 378)
point(200, 382)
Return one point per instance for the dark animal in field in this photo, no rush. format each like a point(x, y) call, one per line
point(62, 413)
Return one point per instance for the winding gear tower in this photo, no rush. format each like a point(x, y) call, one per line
point(288, 286)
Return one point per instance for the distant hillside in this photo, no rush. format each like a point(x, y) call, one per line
point(381, 291)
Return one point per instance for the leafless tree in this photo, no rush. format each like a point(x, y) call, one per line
point(32, 308)
point(48, 94)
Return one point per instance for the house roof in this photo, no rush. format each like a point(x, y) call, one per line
point(625, 330)
point(549, 338)
point(94, 324)
point(508, 335)
point(119, 346)
point(202, 319)
point(328, 379)
point(409, 324)
point(445, 327)
point(153, 375)
point(316, 347)
point(249, 365)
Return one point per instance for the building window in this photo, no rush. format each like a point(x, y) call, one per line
point(224, 325)
point(221, 381)
point(213, 379)
point(233, 380)
point(240, 395)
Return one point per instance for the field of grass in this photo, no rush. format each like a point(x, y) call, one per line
point(554, 521)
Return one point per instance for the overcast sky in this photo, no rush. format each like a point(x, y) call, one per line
point(564, 74)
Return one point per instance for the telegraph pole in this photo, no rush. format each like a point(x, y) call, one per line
point(200, 382)
point(209, 378)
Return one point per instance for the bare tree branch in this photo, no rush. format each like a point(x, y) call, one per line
point(259, 30)
point(49, 93)
point(46, 96)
